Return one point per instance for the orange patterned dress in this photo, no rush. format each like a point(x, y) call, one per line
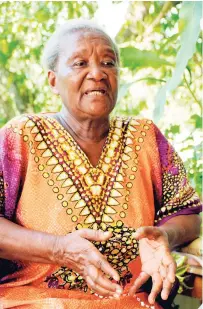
point(48, 184)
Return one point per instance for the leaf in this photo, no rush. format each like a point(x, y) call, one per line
point(171, 39)
point(175, 129)
point(198, 121)
point(3, 58)
point(190, 15)
point(42, 15)
point(12, 45)
point(133, 58)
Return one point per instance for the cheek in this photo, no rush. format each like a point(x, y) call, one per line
point(114, 83)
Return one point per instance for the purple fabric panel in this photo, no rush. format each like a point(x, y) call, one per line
point(163, 146)
point(11, 166)
point(188, 211)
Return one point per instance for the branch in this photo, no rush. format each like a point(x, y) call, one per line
point(149, 29)
point(192, 93)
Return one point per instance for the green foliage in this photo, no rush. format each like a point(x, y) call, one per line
point(189, 27)
point(160, 46)
point(182, 267)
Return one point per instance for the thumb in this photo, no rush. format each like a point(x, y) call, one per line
point(96, 235)
point(150, 232)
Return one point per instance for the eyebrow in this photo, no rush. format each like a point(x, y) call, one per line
point(81, 52)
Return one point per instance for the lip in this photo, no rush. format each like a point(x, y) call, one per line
point(100, 89)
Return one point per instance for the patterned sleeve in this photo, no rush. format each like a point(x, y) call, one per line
point(11, 169)
point(177, 195)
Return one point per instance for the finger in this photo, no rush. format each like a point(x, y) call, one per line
point(172, 272)
point(169, 262)
point(99, 289)
point(101, 280)
point(100, 262)
point(163, 271)
point(149, 232)
point(143, 277)
point(167, 286)
point(156, 287)
point(95, 235)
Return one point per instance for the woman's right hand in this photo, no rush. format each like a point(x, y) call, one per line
point(76, 252)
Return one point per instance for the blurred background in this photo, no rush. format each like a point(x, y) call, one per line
point(161, 63)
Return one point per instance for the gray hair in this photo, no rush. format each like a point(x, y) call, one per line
point(52, 48)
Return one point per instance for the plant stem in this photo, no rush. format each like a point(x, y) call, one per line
point(192, 93)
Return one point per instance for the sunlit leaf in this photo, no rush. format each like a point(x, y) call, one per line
point(174, 129)
point(133, 58)
point(198, 120)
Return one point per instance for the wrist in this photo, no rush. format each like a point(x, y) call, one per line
point(45, 244)
point(170, 234)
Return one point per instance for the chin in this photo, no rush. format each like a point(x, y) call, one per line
point(98, 110)
point(99, 115)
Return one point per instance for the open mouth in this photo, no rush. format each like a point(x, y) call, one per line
point(96, 92)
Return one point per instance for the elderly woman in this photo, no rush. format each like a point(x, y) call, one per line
point(90, 206)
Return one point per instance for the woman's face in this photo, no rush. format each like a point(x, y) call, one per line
point(86, 76)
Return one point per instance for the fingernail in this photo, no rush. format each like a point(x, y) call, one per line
point(116, 296)
point(118, 291)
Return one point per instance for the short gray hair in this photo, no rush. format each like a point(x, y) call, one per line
point(52, 48)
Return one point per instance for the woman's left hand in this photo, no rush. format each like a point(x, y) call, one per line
point(157, 262)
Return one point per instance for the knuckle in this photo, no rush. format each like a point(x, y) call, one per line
point(100, 263)
point(97, 234)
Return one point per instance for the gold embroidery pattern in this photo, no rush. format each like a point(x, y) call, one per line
point(119, 250)
point(177, 193)
point(95, 192)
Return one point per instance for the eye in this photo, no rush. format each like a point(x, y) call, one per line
point(109, 63)
point(80, 63)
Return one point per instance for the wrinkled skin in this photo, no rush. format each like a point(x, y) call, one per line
point(78, 253)
point(157, 262)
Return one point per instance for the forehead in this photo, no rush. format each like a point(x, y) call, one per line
point(84, 41)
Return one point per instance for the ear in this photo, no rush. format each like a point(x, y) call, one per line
point(52, 81)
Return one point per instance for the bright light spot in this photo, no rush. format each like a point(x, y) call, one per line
point(201, 23)
point(151, 9)
point(111, 15)
point(163, 21)
point(174, 10)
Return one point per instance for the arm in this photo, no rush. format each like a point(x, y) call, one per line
point(181, 229)
point(155, 244)
point(72, 250)
point(175, 218)
point(19, 243)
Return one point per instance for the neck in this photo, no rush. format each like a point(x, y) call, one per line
point(86, 129)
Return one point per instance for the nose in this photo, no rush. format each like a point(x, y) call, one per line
point(96, 72)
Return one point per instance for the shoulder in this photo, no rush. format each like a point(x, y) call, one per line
point(25, 129)
point(26, 123)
